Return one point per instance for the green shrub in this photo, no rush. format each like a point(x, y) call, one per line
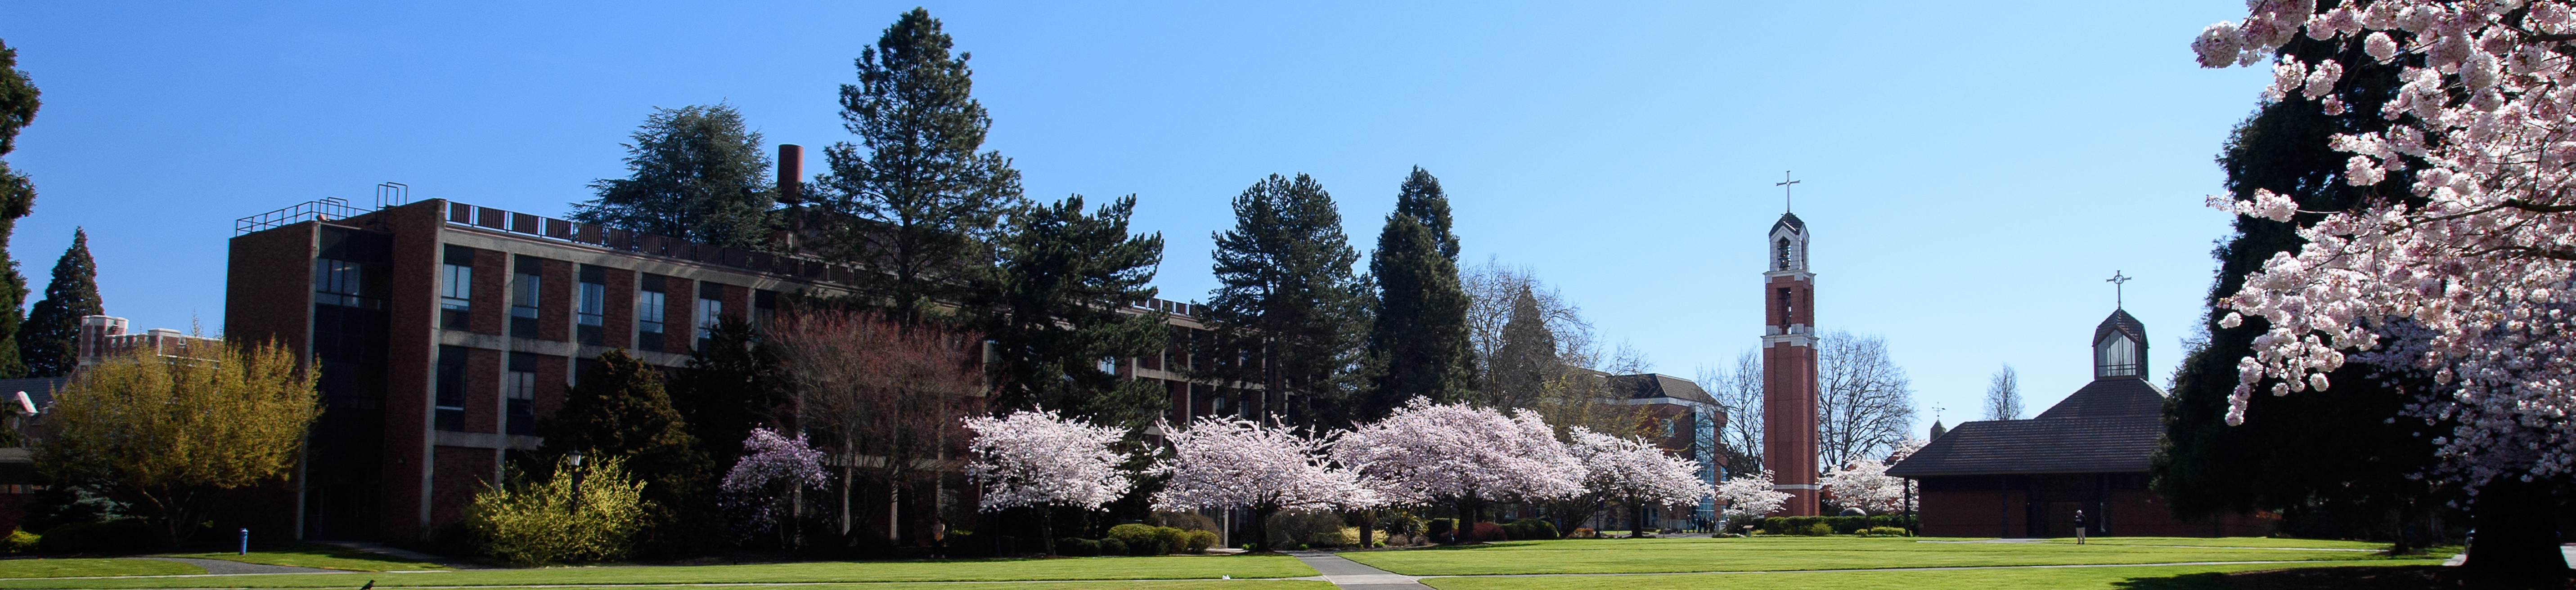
point(1400, 523)
point(1310, 528)
point(1584, 533)
point(1440, 528)
point(1196, 542)
point(1174, 539)
point(1817, 530)
point(1110, 547)
point(130, 535)
point(1077, 547)
point(1841, 525)
point(542, 522)
point(1883, 531)
point(1131, 534)
point(1486, 532)
point(1530, 529)
point(19, 541)
point(1187, 521)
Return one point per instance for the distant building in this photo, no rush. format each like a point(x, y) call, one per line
point(1684, 419)
point(2090, 452)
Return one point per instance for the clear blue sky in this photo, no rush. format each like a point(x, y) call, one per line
point(1972, 170)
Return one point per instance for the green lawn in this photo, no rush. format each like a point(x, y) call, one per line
point(1100, 568)
point(2230, 542)
point(1795, 553)
point(2086, 578)
point(321, 556)
point(55, 568)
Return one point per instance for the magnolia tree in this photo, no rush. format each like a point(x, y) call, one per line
point(1040, 460)
point(1636, 473)
point(762, 485)
point(1266, 468)
point(1865, 484)
point(2474, 254)
point(1749, 496)
point(1461, 455)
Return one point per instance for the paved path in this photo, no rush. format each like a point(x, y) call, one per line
point(1344, 573)
point(222, 567)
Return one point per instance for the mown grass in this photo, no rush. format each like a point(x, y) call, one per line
point(2229, 542)
point(1101, 568)
point(2203, 577)
point(321, 556)
point(1798, 553)
point(82, 566)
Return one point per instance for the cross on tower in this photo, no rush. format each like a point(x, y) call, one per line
point(2116, 281)
point(1785, 184)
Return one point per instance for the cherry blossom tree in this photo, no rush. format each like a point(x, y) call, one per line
point(1749, 496)
point(763, 484)
point(2470, 251)
point(1463, 456)
point(1637, 473)
point(1266, 468)
point(1865, 484)
point(1041, 460)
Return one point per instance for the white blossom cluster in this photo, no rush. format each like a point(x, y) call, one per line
point(1221, 463)
point(1749, 496)
point(2480, 260)
point(1639, 473)
point(1865, 484)
point(772, 468)
point(1426, 452)
point(1041, 459)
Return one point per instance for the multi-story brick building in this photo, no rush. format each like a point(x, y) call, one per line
point(444, 331)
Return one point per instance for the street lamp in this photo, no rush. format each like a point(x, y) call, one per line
point(575, 457)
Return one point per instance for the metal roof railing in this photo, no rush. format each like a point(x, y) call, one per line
point(325, 209)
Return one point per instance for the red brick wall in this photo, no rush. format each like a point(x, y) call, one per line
point(2130, 513)
point(483, 390)
point(555, 299)
point(269, 284)
point(460, 473)
point(491, 311)
point(679, 315)
point(617, 328)
point(1789, 422)
point(553, 373)
point(413, 313)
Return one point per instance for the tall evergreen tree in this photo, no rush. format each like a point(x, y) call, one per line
point(2345, 456)
point(924, 200)
point(1061, 280)
point(1527, 359)
point(47, 339)
point(1418, 345)
point(694, 172)
point(622, 410)
point(18, 103)
point(1288, 312)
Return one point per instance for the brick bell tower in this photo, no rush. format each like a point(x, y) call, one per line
point(1789, 368)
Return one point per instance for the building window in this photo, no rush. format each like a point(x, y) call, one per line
point(2116, 356)
point(648, 314)
point(710, 311)
point(764, 305)
point(591, 312)
point(519, 395)
point(456, 288)
point(449, 388)
point(344, 283)
point(1788, 308)
point(1782, 252)
point(523, 297)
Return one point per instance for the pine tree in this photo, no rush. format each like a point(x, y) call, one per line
point(18, 103)
point(47, 340)
point(695, 173)
point(1527, 359)
point(913, 199)
point(1061, 280)
point(1287, 301)
point(622, 410)
point(1418, 344)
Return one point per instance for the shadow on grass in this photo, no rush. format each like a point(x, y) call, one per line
point(2199, 581)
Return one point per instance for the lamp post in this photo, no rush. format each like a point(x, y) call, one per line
point(575, 457)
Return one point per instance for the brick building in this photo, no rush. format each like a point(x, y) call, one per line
point(444, 331)
point(2090, 452)
point(1683, 419)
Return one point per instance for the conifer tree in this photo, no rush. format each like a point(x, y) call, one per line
point(18, 103)
point(1527, 360)
point(46, 341)
point(913, 199)
point(1418, 345)
point(621, 410)
point(1288, 302)
point(1061, 280)
point(694, 172)
point(731, 386)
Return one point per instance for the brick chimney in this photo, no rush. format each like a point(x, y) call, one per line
point(791, 174)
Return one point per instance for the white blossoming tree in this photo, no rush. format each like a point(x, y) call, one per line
point(1040, 460)
point(762, 485)
point(1265, 468)
point(2475, 252)
point(1748, 497)
point(1463, 456)
point(1865, 484)
point(1636, 473)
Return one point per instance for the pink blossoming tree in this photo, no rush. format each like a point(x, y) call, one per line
point(763, 484)
point(1461, 455)
point(2473, 258)
point(1266, 468)
point(1040, 460)
point(1749, 497)
point(1636, 473)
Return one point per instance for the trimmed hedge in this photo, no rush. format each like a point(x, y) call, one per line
point(130, 535)
point(1531, 529)
point(1837, 525)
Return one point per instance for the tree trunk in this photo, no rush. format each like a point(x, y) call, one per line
point(1368, 525)
point(1261, 528)
point(2515, 531)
